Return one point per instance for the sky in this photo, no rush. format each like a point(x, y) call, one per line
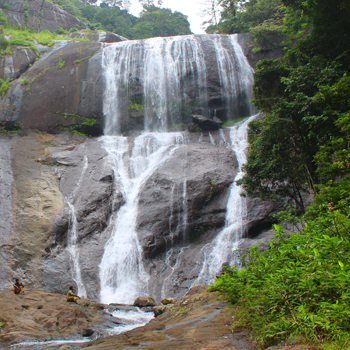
point(190, 8)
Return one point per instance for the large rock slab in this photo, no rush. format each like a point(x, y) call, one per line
point(197, 321)
point(41, 15)
point(38, 315)
point(6, 180)
point(63, 89)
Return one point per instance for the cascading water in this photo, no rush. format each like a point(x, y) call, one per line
point(72, 246)
point(222, 249)
point(158, 77)
point(165, 79)
point(122, 274)
point(159, 63)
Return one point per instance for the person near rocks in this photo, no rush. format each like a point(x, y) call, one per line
point(71, 296)
point(18, 288)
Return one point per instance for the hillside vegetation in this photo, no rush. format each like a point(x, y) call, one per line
point(274, 24)
point(299, 289)
point(153, 21)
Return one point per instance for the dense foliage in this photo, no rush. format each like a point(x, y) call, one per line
point(303, 95)
point(271, 22)
point(301, 285)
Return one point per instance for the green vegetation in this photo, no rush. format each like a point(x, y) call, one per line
point(299, 288)
point(153, 21)
point(41, 73)
point(77, 62)
point(9, 127)
point(61, 63)
point(306, 99)
point(137, 104)
point(229, 123)
point(24, 81)
point(4, 86)
point(87, 126)
point(272, 23)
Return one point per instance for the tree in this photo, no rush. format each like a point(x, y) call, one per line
point(303, 95)
point(150, 2)
point(211, 11)
point(155, 21)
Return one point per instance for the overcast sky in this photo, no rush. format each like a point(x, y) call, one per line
point(190, 8)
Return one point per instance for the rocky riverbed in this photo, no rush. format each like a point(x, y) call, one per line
point(197, 321)
point(41, 316)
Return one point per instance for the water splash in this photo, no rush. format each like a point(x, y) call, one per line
point(122, 274)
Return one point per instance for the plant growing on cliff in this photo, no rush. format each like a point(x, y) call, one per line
point(24, 81)
point(61, 63)
point(4, 86)
point(77, 62)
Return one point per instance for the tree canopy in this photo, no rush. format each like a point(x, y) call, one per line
point(303, 96)
point(114, 16)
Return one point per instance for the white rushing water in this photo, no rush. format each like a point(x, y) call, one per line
point(236, 75)
point(122, 275)
point(160, 64)
point(161, 71)
point(130, 319)
point(72, 246)
point(221, 249)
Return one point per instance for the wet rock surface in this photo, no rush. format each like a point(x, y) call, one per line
point(197, 321)
point(182, 207)
point(6, 180)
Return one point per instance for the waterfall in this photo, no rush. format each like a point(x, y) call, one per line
point(222, 248)
point(159, 64)
point(72, 246)
point(122, 274)
point(236, 75)
point(161, 81)
point(74, 252)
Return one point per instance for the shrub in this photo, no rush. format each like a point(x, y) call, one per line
point(5, 85)
point(24, 81)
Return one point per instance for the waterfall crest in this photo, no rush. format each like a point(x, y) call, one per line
point(162, 81)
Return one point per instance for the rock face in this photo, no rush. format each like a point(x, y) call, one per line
point(64, 195)
point(67, 86)
point(41, 15)
point(6, 180)
point(63, 90)
point(39, 316)
point(12, 66)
